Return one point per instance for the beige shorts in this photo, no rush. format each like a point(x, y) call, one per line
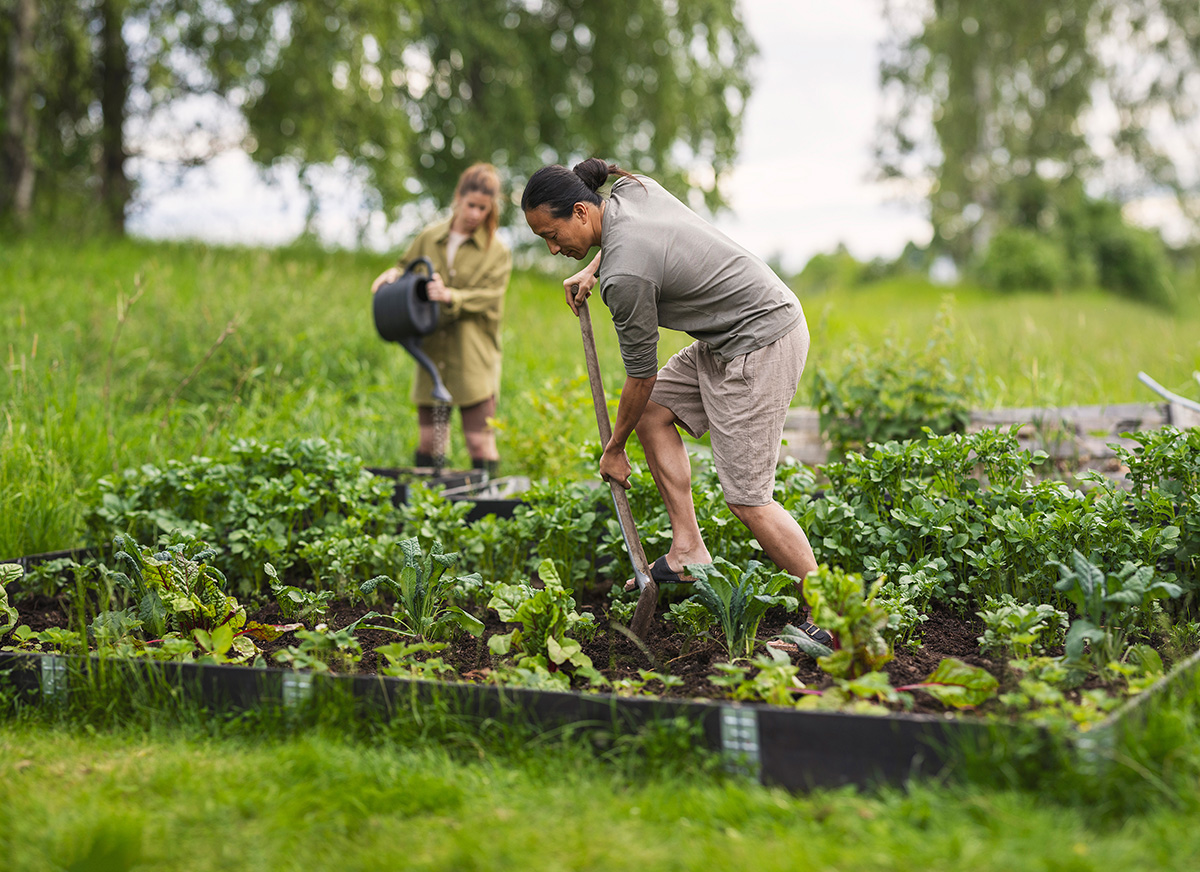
point(743, 402)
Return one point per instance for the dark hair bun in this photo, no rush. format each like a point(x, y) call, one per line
point(593, 172)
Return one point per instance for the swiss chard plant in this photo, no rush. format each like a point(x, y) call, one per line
point(422, 589)
point(9, 572)
point(769, 677)
point(1109, 606)
point(737, 597)
point(854, 620)
point(549, 626)
point(177, 592)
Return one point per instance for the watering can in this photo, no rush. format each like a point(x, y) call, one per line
point(404, 313)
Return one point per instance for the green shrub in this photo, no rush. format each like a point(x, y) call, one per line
point(1128, 260)
point(825, 271)
point(891, 393)
point(1021, 259)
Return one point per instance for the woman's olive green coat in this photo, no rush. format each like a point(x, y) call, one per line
point(465, 347)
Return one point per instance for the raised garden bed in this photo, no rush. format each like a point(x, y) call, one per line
point(923, 540)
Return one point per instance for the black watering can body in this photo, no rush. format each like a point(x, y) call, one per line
point(404, 313)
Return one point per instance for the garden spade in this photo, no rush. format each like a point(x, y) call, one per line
point(647, 586)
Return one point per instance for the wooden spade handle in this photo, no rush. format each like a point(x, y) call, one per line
point(633, 542)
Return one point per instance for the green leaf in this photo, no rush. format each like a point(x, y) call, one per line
point(467, 621)
point(958, 684)
point(1081, 632)
point(501, 643)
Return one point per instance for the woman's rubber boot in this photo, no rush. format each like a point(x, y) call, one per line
point(489, 467)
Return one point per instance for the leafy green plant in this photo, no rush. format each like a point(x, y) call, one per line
point(642, 684)
point(692, 618)
point(957, 684)
point(1109, 606)
point(855, 621)
point(322, 650)
point(265, 501)
point(737, 597)
point(431, 518)
point(1164, 474)
point(1019, 629)
point(566, 523)
point(297, 604)
point(9, 572)
point(548, 619)
point(176, 589)
point(402, 660)
point(769, 678)
point(422, 608)
point(888, 393)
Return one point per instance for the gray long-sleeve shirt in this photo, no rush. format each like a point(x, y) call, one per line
point(664, 266)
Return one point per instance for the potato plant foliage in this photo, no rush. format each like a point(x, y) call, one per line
point(957, 522)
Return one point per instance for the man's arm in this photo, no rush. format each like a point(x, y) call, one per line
point(614, 464)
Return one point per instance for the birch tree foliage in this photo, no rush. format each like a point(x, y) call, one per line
point(401, 95)
point(1003, 111)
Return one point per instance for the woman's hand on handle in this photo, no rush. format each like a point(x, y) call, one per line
point(386, 278)
point(436, 290)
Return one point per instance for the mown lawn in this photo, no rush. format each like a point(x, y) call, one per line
point(121, 799)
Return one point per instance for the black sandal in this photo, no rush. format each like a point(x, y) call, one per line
point(821, 637)
point(661, 572)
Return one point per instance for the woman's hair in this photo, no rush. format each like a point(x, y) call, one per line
point(559, 189)
point(481, 178)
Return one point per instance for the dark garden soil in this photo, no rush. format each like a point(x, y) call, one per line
point(619, 655)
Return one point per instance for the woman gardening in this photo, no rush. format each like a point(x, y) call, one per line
point(661, 265)
point(471, 270)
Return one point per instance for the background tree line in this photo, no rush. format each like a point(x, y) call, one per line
point(1028, 126)
point(400, 93)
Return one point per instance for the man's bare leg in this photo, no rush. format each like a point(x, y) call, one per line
point(672, 471)
point(780, 536)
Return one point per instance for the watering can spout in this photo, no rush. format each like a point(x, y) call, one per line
point(412, 344)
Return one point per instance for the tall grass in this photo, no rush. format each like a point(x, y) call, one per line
point(1026, 349)
point(124, 352)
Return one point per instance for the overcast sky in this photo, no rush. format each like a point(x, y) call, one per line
point(800, 187)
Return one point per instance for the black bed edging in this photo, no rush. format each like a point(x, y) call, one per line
point(796, 750)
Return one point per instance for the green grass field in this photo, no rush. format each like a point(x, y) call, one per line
point(120, 353)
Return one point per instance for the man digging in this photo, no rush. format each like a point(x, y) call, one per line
point(664, 266)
